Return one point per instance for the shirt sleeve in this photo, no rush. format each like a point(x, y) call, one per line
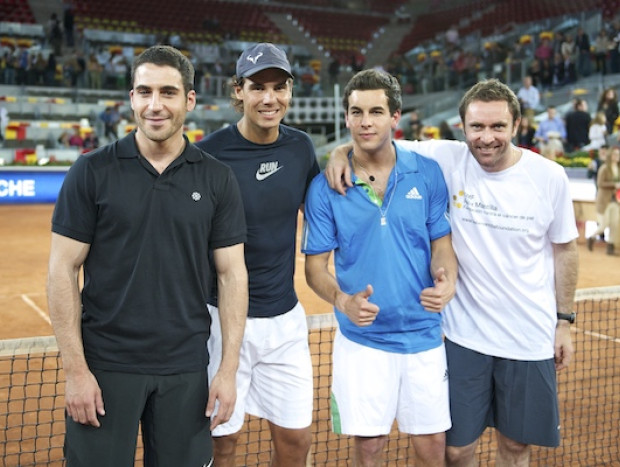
point(438, 224)
point(75, 212)
point(319, 232)
point(229, 225)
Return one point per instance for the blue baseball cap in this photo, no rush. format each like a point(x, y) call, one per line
point(261, 56)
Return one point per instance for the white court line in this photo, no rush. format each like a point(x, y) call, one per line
point(34, 306)
point(599, 335)
point(597, 293)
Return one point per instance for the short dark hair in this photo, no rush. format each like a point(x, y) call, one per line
point(371, 79)
point(165, 55)
point(491, 90)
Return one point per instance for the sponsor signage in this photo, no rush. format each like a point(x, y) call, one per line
point(19, 185)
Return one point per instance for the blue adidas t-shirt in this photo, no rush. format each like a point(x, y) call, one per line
point(393, 256)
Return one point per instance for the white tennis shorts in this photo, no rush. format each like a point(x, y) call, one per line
point(274, 379)
point(372, 387)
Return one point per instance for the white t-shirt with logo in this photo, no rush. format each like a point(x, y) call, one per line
point(503, 228)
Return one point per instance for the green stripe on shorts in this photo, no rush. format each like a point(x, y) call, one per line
point(336, 426)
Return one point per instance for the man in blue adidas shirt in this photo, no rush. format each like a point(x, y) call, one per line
point(395, 272)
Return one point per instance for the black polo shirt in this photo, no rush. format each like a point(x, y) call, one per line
point(146, 276)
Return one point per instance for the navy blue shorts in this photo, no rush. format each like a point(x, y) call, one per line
point(518, 398)
point(171, 409)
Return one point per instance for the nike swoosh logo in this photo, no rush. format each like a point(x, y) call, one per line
point(263, 176)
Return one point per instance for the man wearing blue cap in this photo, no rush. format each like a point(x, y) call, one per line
point(274, 165)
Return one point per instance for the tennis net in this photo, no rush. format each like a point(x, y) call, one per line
point(32, 403)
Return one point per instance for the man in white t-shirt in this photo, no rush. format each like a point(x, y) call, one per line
point(513, 232)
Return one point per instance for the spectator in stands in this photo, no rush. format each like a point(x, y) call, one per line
point(306, 76)
point(80, 69)
point(274, 165)
point(597, 132)
point(38, 69)
point(54, 34)
point(439, 73)
point(525, 135)
point(23, 66)
point(358, 62)
point(558, 71)
point(132, 340)
point(601, 50)
point(445, 132)
point(596, 160)
point(546, 74)
point(8, 67)
point(110, 118)
point(607, 181)
point(121, 70)
point(94, 70)
point(608, 104)
point(611, 221)
point(534, 70)
point(414, 130)
point(614, 53)
point(584, 58)
point(544, 51)
point(91, 140)
point(71, 69)
point(76, 140)
point(577, 125)
point(529, 96)
point(109, 73)
point(520, 52)
point(569, 71)
point(63, 140)
point(556, 43)
point(550, 132)
point(410, 77)
point(568, 48)
point(452, 35)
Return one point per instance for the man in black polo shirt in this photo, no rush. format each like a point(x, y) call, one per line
point(140, 215)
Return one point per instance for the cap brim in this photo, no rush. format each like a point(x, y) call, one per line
point(258, 68)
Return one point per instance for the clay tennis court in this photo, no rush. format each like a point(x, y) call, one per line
point(590, 397)
point(24, 249)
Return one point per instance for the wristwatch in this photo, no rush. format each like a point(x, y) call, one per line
point(570, 317)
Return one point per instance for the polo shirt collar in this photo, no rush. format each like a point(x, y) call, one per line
point(405, 160)
point(128, 149)
point(405, 163)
